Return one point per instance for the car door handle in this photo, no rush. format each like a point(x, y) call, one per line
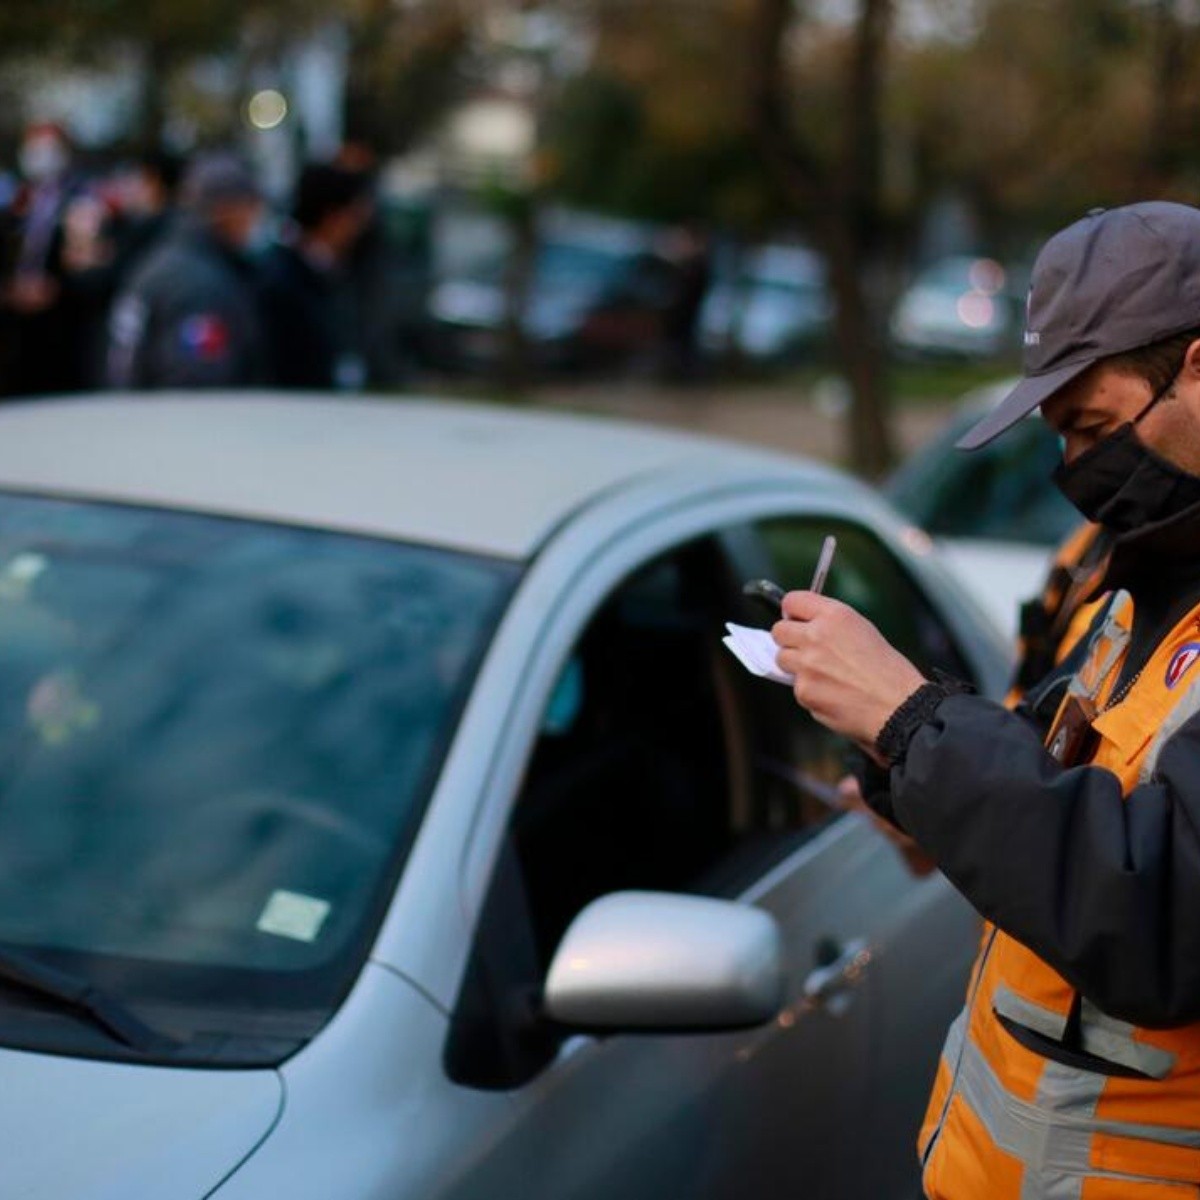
point(831, 983)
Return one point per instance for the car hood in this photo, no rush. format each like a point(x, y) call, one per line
point(74, 1129)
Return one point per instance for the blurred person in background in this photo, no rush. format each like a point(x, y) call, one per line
point(386, 285)
point(189, 315)
point(108, 230)
point(306, 306)
point(689, 250)
point(41, 345)
point(144, 195)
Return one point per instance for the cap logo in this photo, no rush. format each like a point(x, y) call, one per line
point(1181, 662)
point(1032, 336)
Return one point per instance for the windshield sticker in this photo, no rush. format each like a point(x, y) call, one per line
point(19, 574)
point(292, 915)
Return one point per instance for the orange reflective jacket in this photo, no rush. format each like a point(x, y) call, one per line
point(1054, 621)
point(1009, 1123)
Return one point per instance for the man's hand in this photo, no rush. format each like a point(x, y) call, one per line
point(847, 674)
point(32, 293)
point(918, 862)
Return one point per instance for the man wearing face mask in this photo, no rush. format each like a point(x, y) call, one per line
point(1072, 823)
point(189, 318)
point(43, 334)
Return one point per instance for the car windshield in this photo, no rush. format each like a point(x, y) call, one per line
point(1002, 491)
point(217, 739)
point(564, 264)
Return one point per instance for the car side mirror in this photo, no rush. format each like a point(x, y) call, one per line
point(664, 962)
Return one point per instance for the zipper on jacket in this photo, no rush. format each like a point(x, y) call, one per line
point(969, 1010)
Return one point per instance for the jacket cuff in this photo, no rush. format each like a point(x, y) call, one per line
point(899, 729)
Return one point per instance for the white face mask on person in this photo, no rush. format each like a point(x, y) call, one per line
point(42, 158)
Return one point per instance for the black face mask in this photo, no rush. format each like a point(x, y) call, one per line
point(1122, 484)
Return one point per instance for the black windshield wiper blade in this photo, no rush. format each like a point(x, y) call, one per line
point(25, 971)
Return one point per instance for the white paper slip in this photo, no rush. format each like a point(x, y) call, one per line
point(755, 649)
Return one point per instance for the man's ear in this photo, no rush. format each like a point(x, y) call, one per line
point(1191, 360)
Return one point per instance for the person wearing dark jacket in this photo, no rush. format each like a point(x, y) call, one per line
point(42, 338)
point(304, 304)
point(1072, 822)
point(188, 317)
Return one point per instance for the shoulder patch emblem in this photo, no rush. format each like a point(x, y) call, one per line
point(1181, 662)
point(205, 337)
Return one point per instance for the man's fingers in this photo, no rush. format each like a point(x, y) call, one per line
point(804, 606)
point(790, 633)
point(790, 661)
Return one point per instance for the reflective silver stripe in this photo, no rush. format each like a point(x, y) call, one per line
point(1067, 1151)
point(1032, 1016)
point(1113, 1040)
point(954, 1039)
point(1099, 1034)
point(1118, 638)
point(1053, 1135)
point(1185, 708)
point(951, 1050)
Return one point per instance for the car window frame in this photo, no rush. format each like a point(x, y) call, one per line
point(583, 590)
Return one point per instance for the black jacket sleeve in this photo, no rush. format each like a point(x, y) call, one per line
point(1104, 888)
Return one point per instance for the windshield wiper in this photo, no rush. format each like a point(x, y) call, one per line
point(83, 996)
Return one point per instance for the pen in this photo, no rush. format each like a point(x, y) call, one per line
point(773, 594)
point(824, 561)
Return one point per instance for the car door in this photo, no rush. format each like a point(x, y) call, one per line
point(642, 778)
point(661, 764)
point(921, 934)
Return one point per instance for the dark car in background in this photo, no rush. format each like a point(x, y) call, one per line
point(994, 511)
point(596, 297)
point(768, 305)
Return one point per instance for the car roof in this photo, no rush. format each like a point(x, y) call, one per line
point(478, 478)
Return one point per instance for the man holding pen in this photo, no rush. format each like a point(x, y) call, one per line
point(1072, 823)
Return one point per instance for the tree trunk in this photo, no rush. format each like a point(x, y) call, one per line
point(1167, 135)
point(158, 64)
point(515, 370)
point(843, 201)
point(860, 354)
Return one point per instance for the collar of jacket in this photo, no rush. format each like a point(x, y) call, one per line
point(190, 228)
point(1167, 551)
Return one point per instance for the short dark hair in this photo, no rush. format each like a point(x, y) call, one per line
point(323, 189)
point(1159, 362)
point(164, 166)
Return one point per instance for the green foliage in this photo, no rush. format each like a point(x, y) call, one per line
point(606, 152)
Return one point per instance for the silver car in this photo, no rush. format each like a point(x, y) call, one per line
point(381, 816)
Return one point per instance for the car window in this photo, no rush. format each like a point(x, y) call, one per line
point(216, 741)
point(633, 779)
point(659, 764)
point(1002, 490)
point(869, 578)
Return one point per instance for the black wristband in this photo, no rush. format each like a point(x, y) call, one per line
point(898, 730)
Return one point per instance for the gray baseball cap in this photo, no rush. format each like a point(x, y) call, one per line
point(216, 177)
point(1115, 281)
